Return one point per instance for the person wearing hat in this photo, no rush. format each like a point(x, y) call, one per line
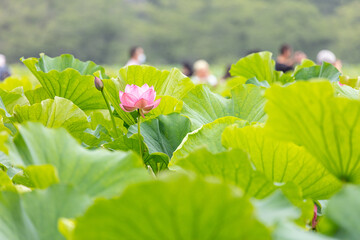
point(202, 74)
point(329, 57)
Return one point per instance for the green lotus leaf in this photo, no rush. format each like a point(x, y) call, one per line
point(232, 167)
point(65, 61)
point(326, 70)
point(309, 114)
point(37, 176)
point(352, 82)
point(258, 83)
point(157, 161)
point(97, 172)
point(166, 83)
point(275, 208)
point(176, 208)
point(54, 113)
point(125, 143)
point(35, 215)
point(282, 162)
point(37, 95)
point(261, 66)
point(167, 106)
point(344, 210)
point(68, 77)
point(102, 118)
point(290, 231)
point(208, 136)
point(346, 91)
point(11, 99)
point(306, 63)
point(202, 106)
point(10, 83)
point(96, 138)
point(5, 182)
point(3, 139)
point(230, 84)
point(163, 134)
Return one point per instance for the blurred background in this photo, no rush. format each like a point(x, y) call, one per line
point(173, 31)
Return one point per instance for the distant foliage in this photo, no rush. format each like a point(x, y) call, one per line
point(173, 31)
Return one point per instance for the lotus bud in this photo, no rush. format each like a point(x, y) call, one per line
point(99, 84)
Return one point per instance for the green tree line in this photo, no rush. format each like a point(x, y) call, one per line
point(172, 31)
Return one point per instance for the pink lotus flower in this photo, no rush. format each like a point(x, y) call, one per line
point(135, 97)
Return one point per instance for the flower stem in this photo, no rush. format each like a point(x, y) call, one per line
point(111, 115)
point(139, 135)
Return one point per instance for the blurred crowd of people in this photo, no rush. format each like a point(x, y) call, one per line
point(200, 71)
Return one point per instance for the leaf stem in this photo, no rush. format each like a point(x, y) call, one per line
point(111, 115)
point(139, 135)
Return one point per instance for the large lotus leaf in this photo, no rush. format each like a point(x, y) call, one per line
point(11, 99)
point(41, 176)
point(326, 70)
point(178, 208)
point(54, 113)
point(208, 136)
point(11, 83)
point(248, 103)
point(306, 63)
point(166, 83)
point(4, 135)
point(157, 161)
point(97, 118)
point(5, 182)
point(68, 77)
point(37, 95)
point(231, 83)
point(65, 61)
point(344, 210)
point(203, 106)
point(167, 106)
point(282, 162)
point(346, 91)
point(290, 231)
point(101, 129)
point(259, 65)
point(308, 114)
point(163, 134)
point(275, 208)
point(232, 167)
point(97, 172)
point(258, 83)
point(352, 82)
point(35, 215)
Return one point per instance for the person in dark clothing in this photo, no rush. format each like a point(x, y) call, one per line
point(187, 69)
point(285, 62)
point(283, 67)
point(4, 69)
point(227, 73)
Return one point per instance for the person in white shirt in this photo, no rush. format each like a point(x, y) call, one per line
point(202, 74)
point(137, 56)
